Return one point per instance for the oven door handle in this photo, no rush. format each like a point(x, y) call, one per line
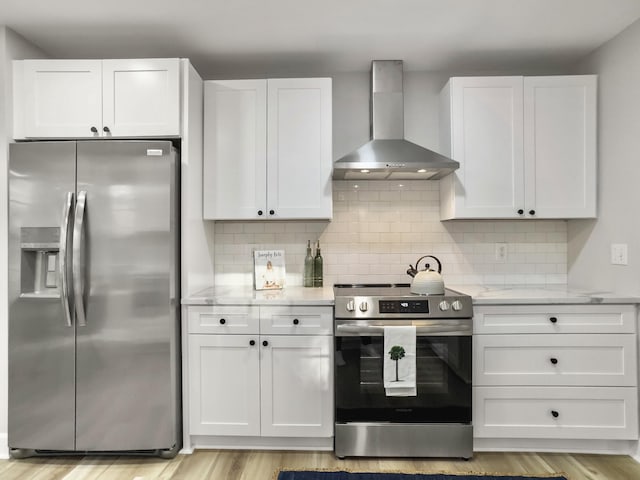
point(421, 331)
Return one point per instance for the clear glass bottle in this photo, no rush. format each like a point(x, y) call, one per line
point(317, 267)
point(308, 267)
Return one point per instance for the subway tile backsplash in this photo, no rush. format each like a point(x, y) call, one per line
point(380, 227)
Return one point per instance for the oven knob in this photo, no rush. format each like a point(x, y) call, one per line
point(364, 307)
point(444, 305)
point(351, 306)
point(457, 305)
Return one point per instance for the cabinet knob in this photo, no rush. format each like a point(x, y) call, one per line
point(296, 321)
point(272, 212)
point(532, 212)
point(555, 413)
point(554, 361)
point(94, 129)
point(259, 212)
point(553, 319)
point(520, 212)
point(222, 321)
point(252, 342)
point(105, 129)
point(265, 343)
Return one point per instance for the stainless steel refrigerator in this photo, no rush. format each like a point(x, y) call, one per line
point(94, 343)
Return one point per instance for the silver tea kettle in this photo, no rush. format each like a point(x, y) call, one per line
point(427, 281)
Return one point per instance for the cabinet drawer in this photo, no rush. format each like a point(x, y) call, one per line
point(555, 412)
point(606, 360)
point(296, 320)
point(236, 319)
point(555, 319)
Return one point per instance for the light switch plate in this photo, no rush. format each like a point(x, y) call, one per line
point(619, 254)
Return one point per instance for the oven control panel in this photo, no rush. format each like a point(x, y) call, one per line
point(403, 306)
point(437, 306)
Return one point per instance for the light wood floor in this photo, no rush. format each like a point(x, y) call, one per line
point(263, 465)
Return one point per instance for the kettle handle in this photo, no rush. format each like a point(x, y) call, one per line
point(430, 256)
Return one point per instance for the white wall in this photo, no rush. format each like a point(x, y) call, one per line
point(617, 64)
point(12, 46)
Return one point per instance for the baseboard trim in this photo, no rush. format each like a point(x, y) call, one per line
point(261, 443)
point(603, 447)
point(4, 446)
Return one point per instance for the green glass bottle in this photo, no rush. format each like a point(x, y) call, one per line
point(317, 267)
point(308, 267)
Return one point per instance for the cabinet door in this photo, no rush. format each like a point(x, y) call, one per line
point(224, 385)
point(141, 97)
point(297, 386)
point(299, 155)
point(560, 146)
point(60, 98)
point(235, 149)
point(486, 138)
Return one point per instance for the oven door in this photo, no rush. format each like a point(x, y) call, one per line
point(443, 374)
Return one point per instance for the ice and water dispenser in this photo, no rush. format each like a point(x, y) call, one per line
point(39, 248)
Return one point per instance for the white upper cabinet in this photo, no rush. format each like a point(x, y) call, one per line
point(526, 147)
point(485, 136)
point(268, 149)
point(560, 146)
point(235, 146)
point(96, 98)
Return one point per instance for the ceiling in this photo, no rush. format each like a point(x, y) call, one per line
point(260, 37)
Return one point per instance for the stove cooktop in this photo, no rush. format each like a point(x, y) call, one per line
point(382, 289)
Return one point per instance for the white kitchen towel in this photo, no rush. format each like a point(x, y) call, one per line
point(400, 361)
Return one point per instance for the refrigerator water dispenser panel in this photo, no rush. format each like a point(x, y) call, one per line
point(39, 261)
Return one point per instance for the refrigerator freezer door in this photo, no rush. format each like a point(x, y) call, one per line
point(127, 354)
point(41, 342)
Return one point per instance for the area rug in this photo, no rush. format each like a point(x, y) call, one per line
point(306, 475)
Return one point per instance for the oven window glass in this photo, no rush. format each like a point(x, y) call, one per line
point(443, 381)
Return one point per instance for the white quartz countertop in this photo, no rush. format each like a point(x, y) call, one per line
point(481, 294)
point(246, 295)
point(538, 294)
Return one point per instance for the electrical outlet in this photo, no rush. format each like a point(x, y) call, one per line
point(619, 253)
point(501, 252)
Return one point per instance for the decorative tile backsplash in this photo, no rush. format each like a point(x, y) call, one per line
point(379, 228)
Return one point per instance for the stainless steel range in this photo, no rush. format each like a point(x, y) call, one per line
point(436, 420)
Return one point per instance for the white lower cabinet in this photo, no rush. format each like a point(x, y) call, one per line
point(295, 378)
point(537, 379)
point(258, 383)
point(224, 379)
point(556, 412)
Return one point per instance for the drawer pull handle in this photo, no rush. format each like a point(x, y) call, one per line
point(252, 342)
point(553, 319)
point(554, 361)
point(222, 321)
point(265, 343)
point(296, 321)
point(555, 413)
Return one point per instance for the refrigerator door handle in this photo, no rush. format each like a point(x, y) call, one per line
point(78, 260)
point(62, 258)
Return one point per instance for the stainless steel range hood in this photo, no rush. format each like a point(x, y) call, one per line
point(388, 156)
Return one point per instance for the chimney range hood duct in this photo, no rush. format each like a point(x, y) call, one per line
point(388, 156)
